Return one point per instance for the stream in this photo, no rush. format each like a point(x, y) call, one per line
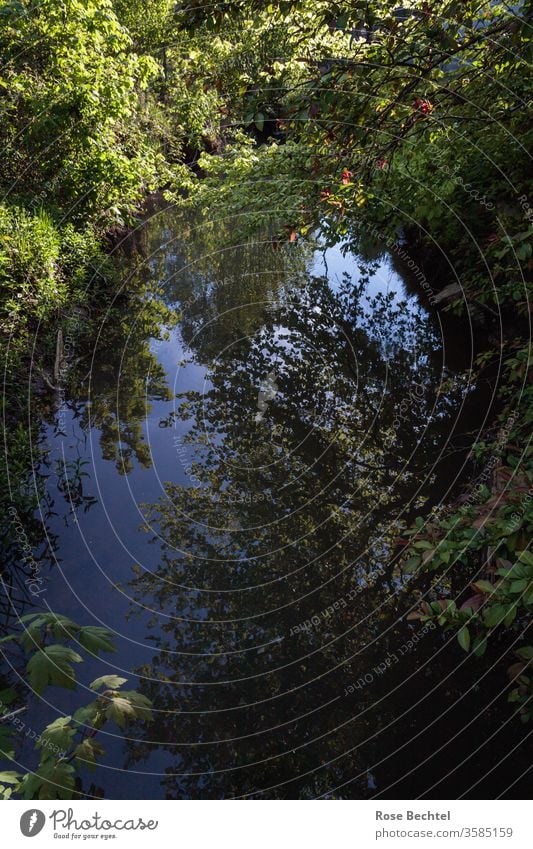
point(224, 479)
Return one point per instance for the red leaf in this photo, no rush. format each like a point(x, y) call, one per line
point(474, 602)
point(346, 177)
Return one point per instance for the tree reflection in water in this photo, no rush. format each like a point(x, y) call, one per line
point(319, 430)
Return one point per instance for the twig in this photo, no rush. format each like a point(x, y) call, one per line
point(13, 713)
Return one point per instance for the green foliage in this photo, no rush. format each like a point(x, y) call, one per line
point(493, 530)
point(70, 78)
point(406, 119)
point(68, 743)
point(29, 260)
point(348, 114)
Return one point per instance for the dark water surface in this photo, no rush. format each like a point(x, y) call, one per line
point(226, 479)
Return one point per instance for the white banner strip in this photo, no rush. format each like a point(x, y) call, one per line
point(269, 824)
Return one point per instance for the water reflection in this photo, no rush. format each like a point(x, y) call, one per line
point(318, 429)
point(244, 432)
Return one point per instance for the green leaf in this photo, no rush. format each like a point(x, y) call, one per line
point(86, 715)
point(31, 638)
point(29, 616)
point(63, 654)
point(10, 777)
point(483, 586)
point(412, 563)
point(7, 749)
point(479, 646)
point(463, 637)
point(58, 734)
point(96, 639)
point(38, 672)
point(120, 711)
point(518, 586)
point(142, 704)
point(107, 682)
point(525, 652)
point(7, 696)
point(85, 753)
point(494, 615)
point(64, 627)
point(51, 666)
point(510, 616)
point(56, 780)
point(526, 557)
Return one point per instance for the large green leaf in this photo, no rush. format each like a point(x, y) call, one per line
point(56, 780)
point(86, 715)
point(107, 682)
point(52, 666)
point(96, 639)
point(85, 753)
point(120, 711)
point(141, 703)
point(58, 734)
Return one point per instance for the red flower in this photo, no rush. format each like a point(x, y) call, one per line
point(346, 177)
point(381, 163)
point(421, 105)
